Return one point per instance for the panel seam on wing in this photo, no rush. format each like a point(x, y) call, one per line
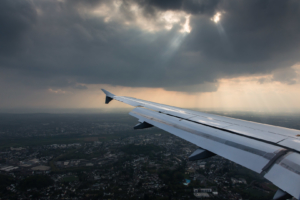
point(266, 155)
point(236, 133)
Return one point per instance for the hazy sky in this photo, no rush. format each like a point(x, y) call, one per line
point(210, 54)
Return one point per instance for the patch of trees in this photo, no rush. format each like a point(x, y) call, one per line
point(5, 181)
point(36, 181)
point(173, 176)
point(79, 154)
point(253, 194)
point(140, 149)
point(242, 172)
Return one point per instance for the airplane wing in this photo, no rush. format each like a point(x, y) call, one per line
point(272, 151)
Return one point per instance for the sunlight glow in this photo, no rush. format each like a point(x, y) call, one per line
point(235, 94)
point(133, 16)
point(186, 28)
point(216, 18)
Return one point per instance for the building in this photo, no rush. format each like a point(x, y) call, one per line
point(201, 195)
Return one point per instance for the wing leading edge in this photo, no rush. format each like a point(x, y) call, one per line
point(269, 150)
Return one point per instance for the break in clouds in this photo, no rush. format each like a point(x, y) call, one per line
point(178, 45)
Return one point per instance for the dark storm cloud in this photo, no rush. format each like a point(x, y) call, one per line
point(251, 31)
point(58, 44)
point(15, 18)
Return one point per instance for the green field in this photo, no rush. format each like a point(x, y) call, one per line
point(69, 178)
point(64, 139)
point(144, 149)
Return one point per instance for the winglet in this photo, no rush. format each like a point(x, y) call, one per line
point(108, 93)
point(109, 96)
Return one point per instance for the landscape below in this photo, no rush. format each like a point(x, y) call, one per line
point(100, 156)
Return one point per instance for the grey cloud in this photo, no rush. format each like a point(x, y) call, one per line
point(286, 75)
point(80, 87)
point(204, 87)
point(150, 6)
point(250, 31)
point(191, 6)
point(62, 47)
point(263, 80)
point(15, 18)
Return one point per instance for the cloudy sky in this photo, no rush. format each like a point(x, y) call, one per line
point(210, 54)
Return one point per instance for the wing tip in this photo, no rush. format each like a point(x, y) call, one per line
point(111, 95)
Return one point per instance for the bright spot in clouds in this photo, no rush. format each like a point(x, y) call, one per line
point(216, 17)
point(134, 16)
point(186, 27)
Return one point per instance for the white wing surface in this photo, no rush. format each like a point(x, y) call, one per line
point(269, 150)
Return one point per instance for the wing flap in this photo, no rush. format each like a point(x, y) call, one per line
point(256, 133)
point(291, 143)
point(244, 151)
point(286, 174)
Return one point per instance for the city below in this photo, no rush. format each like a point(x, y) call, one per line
point(100, 156)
